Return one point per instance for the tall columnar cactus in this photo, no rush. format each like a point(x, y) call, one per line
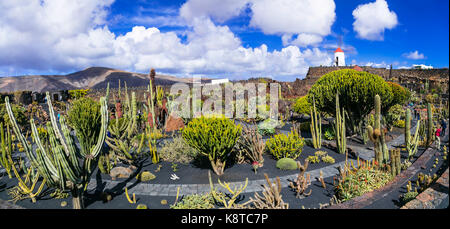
point(376, 135)
point(152, 128)
point(60, 165)
point(6, 149)
point(341, 140)
point(124, 132)
point(395, 162)
point(151, 106)
point(430, 124)
point(407, 127)
point(411, 142)
point(316, 127)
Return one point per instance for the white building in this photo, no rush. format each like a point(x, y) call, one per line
point(421, 66)
point(339, 57)
point(219, 81)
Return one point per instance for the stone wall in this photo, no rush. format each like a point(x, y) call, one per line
point(410, 78)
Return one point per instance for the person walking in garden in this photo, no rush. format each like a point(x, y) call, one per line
point(438, 137)
point(444, 126)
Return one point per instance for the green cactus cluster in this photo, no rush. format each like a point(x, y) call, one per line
point(60, 165)
point(124, 140)
point(396, 164)
point(153, 127)
point(411, 142)
point(195, 201)
point(377, 135)
point(313, 159)
point(282, 146)
point(213, 137)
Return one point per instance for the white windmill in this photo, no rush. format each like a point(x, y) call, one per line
point(339, 55)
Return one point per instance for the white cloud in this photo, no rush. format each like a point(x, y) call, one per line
point(310, 20)
point(85, 41)
point(404, 67)
point(375, 65)
point(414, 55)
point(302, 40)
point(372, 19)
point(30, 29)
point(220, 10)
point(293, 16)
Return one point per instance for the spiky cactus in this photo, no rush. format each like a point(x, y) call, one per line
point(407, 127)
point(430, 124)
point(341, 140)
point(152, 127)
point(316, 127)
point(376, 135)
point(124, 132)
point(411, 142)
point(60, 166)
point(395, 162)
point(6, 149)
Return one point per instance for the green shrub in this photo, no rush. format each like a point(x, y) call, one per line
point(399, 123)
point(286, 164)
point(178, 151)
point(313, 159)
point(282, 146)
point(408, 197)
point(84, 116)
point(400, 94)
point(395, 113)
point(329, 134)
point(213, 137)
point(302, 106)
point(195, 201)
point(77, 94)
point(328, 159)
point(19, 114)
point(320, 153)
point(356, 90)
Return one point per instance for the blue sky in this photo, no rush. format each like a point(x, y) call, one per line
point(219, 38)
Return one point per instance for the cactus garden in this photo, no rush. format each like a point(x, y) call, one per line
point(354, 134)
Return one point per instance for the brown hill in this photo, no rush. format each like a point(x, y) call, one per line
point(90, 78)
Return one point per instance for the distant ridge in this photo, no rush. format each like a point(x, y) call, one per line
point(89, 78)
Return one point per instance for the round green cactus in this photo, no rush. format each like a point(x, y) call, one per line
point(142, 206)
point(145, 176)
point(286, 164)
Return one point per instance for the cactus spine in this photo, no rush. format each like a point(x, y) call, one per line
point(316, 127)
point(60, 166)
point(430, 124)
point(341, 140)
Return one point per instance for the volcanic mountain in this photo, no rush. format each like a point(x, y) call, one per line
point(90, 78)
